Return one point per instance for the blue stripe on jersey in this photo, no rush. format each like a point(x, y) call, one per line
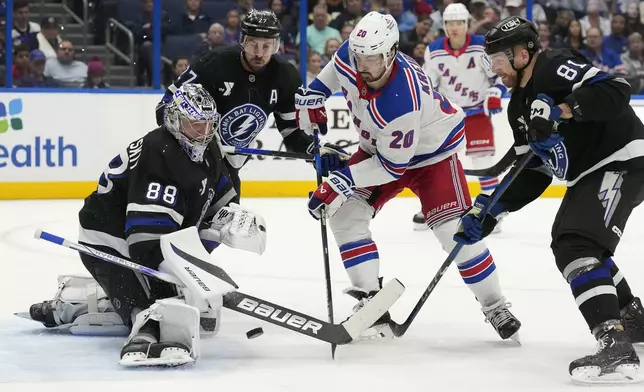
point(149, 221)
point(477, 39)
point(599, 273)
point(437, 44)
point(223, 180)
point(609, 263)
point(598, 77)
point(317, 85)
point(396, 98)
point(395, 169)
point(449, 140)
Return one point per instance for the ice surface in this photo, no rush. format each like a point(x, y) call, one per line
point(448, 348)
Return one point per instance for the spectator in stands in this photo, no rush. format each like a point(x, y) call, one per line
point(633, 22)
point(21, 64)
point(95, 74)
point(406, 19)
point(289, 27)
point(593, 19)
point(232, 28)
point(559, 31)
point(192, 21)
point(64, 69)
point(216, 37)
point(319, 32)
point(603, 58)
point(36, 77)
point(346, 31)
point(490, 17)
point(617, 40)
point(352, 12)
point(573, 39)
point(313, 66)
point(24, 31)
point(517, 8)
point(141, 23)
point(544, 36)
point(330, 48)
point(633, 61)
point(49, 37)
point(179, 66)
point(437, 15)
point(244, 6)
point(418, 53)
point(422, 33)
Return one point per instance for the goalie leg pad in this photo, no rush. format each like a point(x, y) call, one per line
point(79, 306)
point(177, 342)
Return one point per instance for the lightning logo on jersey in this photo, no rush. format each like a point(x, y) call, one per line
point(610, 193)
point(240, 125)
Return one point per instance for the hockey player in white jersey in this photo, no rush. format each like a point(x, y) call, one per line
point(409, 138)
point(454, 66)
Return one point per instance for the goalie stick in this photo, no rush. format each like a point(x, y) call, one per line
point(339, 334)
point(400, 329)
point(494, 171)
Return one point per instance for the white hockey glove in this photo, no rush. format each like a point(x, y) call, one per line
point(310, 111)
point(238, 228)
point(492, 103)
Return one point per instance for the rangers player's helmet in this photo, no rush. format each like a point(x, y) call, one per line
point(375, 34)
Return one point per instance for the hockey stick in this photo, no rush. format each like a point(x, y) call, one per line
point(400, 329)
point(273, 153)
point(494, 171)
point(324, 233)
point(281, 316)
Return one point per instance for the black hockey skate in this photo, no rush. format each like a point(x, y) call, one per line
point(633, 319)
point(381, 328)
point(145, 350)
point(43, 312)
point(419, 222)
point(614, 362)
point(503, 321)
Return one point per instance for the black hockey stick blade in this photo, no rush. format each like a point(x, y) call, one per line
point(304, 324)
point(493, 171)
point(400, 329)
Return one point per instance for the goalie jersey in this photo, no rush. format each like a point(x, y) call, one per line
point(461, 75)
point(404, 125)
point(150, 189)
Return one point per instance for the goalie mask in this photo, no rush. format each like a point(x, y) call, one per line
point(191, 116)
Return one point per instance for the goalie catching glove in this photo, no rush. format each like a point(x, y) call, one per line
point(238, 228)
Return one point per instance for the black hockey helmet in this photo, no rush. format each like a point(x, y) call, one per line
point(512, 31)
point(262, 24)
point(509, 32)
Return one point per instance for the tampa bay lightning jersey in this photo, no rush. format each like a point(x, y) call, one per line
point(604, 133)
point(244, 99)
point(460, 75)
point(404, 125)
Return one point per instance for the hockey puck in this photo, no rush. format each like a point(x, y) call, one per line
point(255, 332)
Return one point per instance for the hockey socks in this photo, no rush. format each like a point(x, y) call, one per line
point(362, 263)
point(479, 273)
point(624, 294)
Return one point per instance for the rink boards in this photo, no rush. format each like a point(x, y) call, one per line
point(56, 145)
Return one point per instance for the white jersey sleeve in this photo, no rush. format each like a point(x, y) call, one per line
point(395, 147)
point(327, 80)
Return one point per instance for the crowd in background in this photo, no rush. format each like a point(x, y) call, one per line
point(608, 32)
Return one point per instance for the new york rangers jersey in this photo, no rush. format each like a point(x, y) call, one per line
point(460, 75)
point(404, 125)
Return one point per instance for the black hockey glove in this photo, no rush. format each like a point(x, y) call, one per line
point(545, 118)
point(472, 229)
point(332, 158)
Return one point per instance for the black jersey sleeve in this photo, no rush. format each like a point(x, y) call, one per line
point(592, 94)
point(527, 187)
point(202, 71)
point(155, 206)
